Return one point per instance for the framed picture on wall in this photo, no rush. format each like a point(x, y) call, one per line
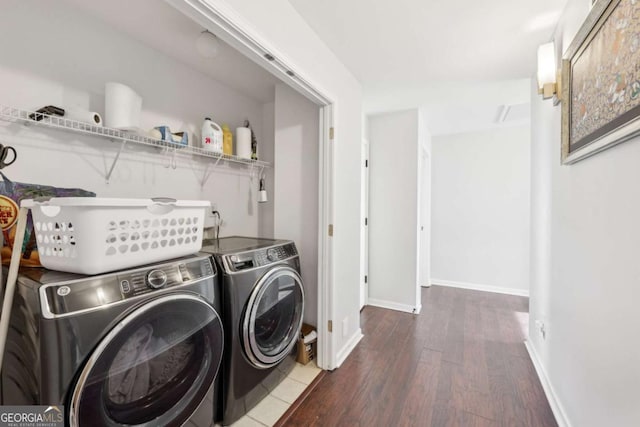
point(601, 81)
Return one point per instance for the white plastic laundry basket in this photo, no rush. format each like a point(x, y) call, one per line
point(94, 235)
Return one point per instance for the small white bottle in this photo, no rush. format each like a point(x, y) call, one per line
point(211, 136)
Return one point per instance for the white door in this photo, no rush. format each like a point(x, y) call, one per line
point(364, 235)
point(425, 219)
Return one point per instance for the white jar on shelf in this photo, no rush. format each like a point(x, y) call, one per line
point(243, 142)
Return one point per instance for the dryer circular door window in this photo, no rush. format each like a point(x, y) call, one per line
point(153, 368)
point(273, 317)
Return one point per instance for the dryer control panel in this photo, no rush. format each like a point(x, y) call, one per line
point(260, 257)
point(88, 293)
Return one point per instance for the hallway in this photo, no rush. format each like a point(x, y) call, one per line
point(461, 362)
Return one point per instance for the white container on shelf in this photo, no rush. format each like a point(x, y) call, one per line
point(88, 235)
point(122, 107)
point(243, 142)
point(211, 136)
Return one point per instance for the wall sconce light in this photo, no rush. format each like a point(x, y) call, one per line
point(548, 73)
point(207, 44)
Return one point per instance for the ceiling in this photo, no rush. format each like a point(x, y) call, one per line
point(461, 61)
point(384, 42)
point(406, 51)
point(174, 34)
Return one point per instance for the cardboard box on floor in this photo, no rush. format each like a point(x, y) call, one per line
point(306, 352)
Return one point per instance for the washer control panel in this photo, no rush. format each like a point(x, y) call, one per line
point(66, 298)
point(260, 257)
point(143, 281)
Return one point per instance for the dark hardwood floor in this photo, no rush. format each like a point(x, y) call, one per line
point(461, 362)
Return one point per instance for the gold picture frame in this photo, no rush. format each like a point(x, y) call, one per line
point(601, 81)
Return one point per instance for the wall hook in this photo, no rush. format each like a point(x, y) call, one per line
point(171, 158)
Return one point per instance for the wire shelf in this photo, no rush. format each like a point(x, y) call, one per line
point(13, 114)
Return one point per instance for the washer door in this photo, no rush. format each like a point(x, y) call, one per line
point(273, 317)
point(153, 368)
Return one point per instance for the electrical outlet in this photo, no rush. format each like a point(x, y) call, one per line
point(211, 219)
point(345, 327)
point(541, 329)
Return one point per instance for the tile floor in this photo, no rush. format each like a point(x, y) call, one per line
point(272, 407)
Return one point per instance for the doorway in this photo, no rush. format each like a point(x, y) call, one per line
point(215, 19)
point(424, 279)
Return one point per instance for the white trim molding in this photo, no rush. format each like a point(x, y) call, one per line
point(220, 18)
point(479, 287)
point(346, 350)
point(552, 397)
point(394, 306)
point(418, 309)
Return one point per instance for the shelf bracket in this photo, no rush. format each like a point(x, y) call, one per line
point(208, 171)
point(206, 175)
point(115, 160)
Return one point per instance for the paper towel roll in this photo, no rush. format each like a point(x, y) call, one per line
point(122, 106)
point(243, 142)
point(83, 116)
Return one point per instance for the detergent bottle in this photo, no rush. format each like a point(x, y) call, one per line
point(211, 136)
point(227, 140)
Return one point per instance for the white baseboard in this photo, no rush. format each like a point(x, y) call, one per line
point(478, 287)
point(418, 309)
point(348, 347)
point(556, 406)
point(394, 306)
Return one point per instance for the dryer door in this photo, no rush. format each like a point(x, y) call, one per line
point(153, 368)
point(273, 317)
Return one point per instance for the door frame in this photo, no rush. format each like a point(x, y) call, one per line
point(229, 26)
point(424, 258)
point(364, 237)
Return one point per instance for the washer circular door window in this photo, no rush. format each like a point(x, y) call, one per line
point(273, 317)
point(153, 368)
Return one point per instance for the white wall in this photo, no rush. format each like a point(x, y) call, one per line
point(289, 37)
point(267, 153)
point(480, 209)
point(295, 194)
point(54, 54)
point(393, 210)
point(584, 267)
point(434, 95)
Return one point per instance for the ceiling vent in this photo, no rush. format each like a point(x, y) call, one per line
point(513, 113)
